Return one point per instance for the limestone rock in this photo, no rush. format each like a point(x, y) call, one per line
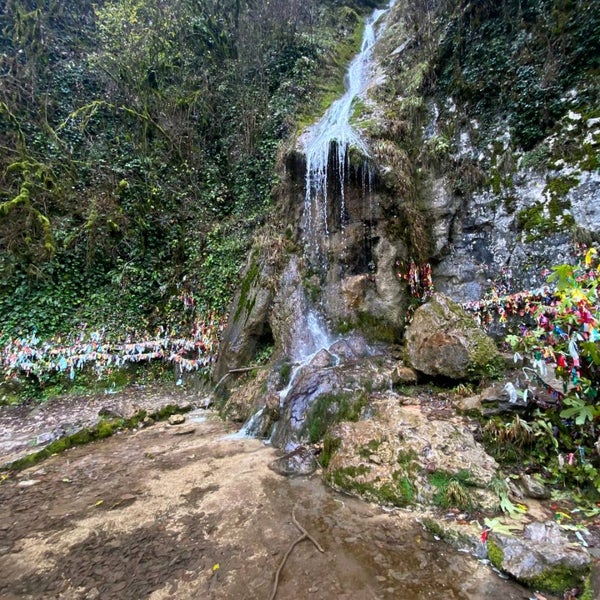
point(402, 374)
point(443, 340)
point(184, 430)
point(390, 457)
point(249, 325)
point(533, 488)
point(468, 405)
point(542, 558)
point(322, 359)
point(245, 398)
point(347, 380)
point(350, 348)
point(176, 419)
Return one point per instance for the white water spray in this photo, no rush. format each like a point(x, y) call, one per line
point(335, 128)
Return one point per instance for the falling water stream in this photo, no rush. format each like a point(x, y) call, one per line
point(332, 133)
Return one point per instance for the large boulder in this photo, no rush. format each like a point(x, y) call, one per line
point(443, 340)
point(402, 456)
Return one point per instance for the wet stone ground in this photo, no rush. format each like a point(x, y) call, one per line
point(187, 512)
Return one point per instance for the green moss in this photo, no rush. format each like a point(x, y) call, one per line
point(540, 220)
point(105, 428)
point(536, 159)
point(407, 458)
point(451, 489)
point(559, 187)
point(553, 579)
point(245, 303)
point(433, 527)
point(588, 589)
point(167, 411)
point(330, 446)
point(369, 448)
point(450, 536)
point(331, 76)
point(486, 367)
point(285, 372)
point(557, 579)
point(496, 181)
point(591, 159)
point(329, 409)
point(345, 478)
point(377, 329)
point(398, 492)
point(495, 554)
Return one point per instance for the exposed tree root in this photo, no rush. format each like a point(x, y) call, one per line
point(305, 536)
point(241, 370)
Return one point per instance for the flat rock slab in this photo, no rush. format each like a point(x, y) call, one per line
point(28, 428)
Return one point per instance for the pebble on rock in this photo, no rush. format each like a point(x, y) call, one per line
point(176, 419)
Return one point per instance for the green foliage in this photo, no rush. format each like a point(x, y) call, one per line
point(451, 489)
point(139, 142)
point(519, 59)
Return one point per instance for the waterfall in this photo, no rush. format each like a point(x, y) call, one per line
point(334, 130)
point(309, 331)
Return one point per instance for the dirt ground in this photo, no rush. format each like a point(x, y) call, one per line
point(190, 512)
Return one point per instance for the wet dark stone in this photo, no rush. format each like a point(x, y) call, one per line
point(300, 461)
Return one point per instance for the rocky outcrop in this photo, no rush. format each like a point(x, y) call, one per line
point(400, 456)
point(542, 558)
point(330, 387)
point(443, 340)
point(248, 327)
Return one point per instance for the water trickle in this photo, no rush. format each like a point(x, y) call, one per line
point(334, 131)
point(251, 427)
point(318, 339)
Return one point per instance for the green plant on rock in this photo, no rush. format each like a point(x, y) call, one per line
point(330, 446)
point(451, 489)
point(329, 409)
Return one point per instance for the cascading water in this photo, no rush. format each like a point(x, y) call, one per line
point(310, 332)
point(334, 129)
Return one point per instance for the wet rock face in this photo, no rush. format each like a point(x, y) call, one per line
point(320, 395)
point(487, 237)
point(288, 311)
point(542, 558)
point(443, 340)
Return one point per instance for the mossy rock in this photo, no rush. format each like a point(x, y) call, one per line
point(542, 559)
point(443, 340)
point(101, 430)
point(398, 491)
